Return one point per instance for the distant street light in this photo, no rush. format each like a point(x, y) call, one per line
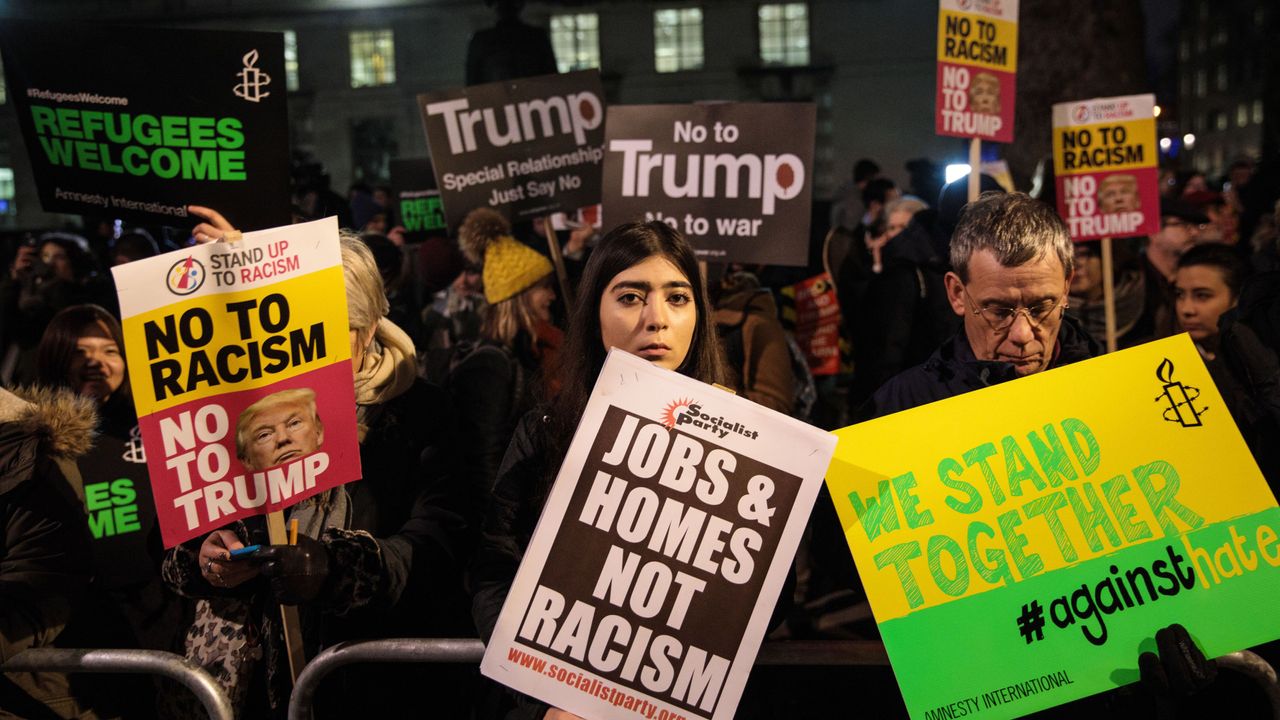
point(956, 171)
point(1166, 143)
point(1189, 140)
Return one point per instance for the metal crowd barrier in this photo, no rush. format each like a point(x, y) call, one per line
point(134, 662)
point(1260, 670)
point(415, 650)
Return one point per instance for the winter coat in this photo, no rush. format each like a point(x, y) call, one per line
point(394, 571)
point(953, 370)
point(748, 320)
point(44, 549)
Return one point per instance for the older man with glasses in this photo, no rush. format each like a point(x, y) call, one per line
point(1012, 265)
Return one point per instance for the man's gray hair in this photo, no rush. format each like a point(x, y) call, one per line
point(1014, 227)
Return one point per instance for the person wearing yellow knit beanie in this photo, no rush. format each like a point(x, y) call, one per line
point(498, 379)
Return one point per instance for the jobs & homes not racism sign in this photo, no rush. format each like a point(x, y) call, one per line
point(231, 347)
point(1049, 532)
point(525, 148)
point(664, 543)
point(735, 178)
point(977, 68)
point(138, 123)
point(1105, 166)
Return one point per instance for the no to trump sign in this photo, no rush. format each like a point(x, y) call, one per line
point(240, 364)
point(735, 178)
point(1050, 532)
point(648, 584)
point(1105, 166)
point(977, 66)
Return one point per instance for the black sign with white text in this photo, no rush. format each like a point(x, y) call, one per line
point(525, 148)
point(735, 178)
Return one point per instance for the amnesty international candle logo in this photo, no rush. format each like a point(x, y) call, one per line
point(186, 276)
point(1179, 400)
point(252, 79)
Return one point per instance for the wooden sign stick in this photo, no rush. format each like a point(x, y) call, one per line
point(288, 613)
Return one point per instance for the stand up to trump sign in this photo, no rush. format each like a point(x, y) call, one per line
point(649, 582)
point(1104, 163)
point(240, 364)
point(977, 66)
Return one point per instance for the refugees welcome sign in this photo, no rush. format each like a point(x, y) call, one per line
point(1050, 532)
point(240, 365)
point(648, 585)
point(137, 123)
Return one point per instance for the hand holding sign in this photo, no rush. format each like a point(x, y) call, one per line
point(216, 565)
point(215, 227)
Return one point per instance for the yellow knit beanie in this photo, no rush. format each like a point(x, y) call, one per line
point(510, 266)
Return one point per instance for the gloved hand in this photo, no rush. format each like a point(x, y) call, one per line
point(296, 572)
point(1180, 671)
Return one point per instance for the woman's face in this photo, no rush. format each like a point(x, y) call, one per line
point(97, 368)
point(1202, 296)
point(648, 310)
point(55, 257)
point(541, 296)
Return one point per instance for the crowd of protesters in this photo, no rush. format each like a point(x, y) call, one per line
point(471, 369)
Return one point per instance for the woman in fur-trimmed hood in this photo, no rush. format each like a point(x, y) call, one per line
point(44, 550)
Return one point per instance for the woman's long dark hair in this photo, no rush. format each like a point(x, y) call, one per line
point(583, 352)
point(58, 344)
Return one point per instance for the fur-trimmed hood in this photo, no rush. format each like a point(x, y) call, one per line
point(62, 421)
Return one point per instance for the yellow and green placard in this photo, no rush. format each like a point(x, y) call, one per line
point(1021, 544)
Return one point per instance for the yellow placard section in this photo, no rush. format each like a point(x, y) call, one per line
point(1104, 147)
point(977, 41)
point(239, 340)
point(990, 488)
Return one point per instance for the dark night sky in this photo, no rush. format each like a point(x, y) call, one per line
point(1162, 47)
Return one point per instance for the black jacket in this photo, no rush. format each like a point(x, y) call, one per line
point(953, 370)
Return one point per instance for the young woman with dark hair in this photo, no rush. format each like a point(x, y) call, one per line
point(640, 292)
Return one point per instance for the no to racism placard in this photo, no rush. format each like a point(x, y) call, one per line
point(811, 312)
point(418, 207)
point(240, 365)
point(1050, 525)
point(648, 584)
point(525, 147)
point(1105, 166)
point(735, 178)
point(977, 68)
point(138, 123)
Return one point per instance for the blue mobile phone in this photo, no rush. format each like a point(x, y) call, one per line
point(244, 551)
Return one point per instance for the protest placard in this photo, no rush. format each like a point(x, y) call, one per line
point(977, 68)
point(174, 118)
point(1045, 529)
point(230, 347)
point(525, 148)
point(418, 207)
point(666, 538)
point(1105, 166)
point(811, 312)
point(735, 178)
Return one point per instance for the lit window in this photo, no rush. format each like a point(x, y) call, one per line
point(4, 93)
point(677, 39)
point(1220, 36)
point(1202, 83)
point(373, 58)
point(784, 34)
point(1220, 121)
point(1242, 114)
point(576, 40)
point(1257, 112)
point(1220, 81)
point(1184, 49)
point(6, 192)
point(291, 61)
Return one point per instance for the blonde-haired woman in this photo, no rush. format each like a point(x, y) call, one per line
point(376, 558)
point(499, 379)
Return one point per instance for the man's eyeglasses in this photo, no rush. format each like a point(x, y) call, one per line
point(1178, 222)
point(1002, 317)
